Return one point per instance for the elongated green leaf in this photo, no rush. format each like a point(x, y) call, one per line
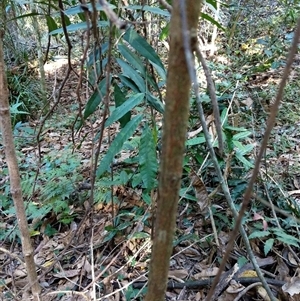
point(96, 55)
point(34, 14)
point(247, 164)
point(164, 32)
point(233, 128)
point(212, 20)
point(132, 58)
point(132, 74)
point(268, 245)
point(124, 226)
point(51, 23)
point(155, 103)
point(147, 159)
point(241, 135)
point(284, 237)
point(238, 145)
point(78, 26)
point(143, 47)
point(259, 234)
point(137, 63)
point(95, 100)
point(195, 141)
point(124, 108)
point(161, 72)
point(117, 144)
point(119, 100)
point(246, 149)
point(127, 82)
point(288, 241)
point(140, 235)
point(212, 3)
point(224, 117)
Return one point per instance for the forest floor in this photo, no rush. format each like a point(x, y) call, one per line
point(102, 250)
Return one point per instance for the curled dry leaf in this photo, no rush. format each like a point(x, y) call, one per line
point(292, 287)
point(201, 192)
point(257, 216)
point(209, 272)
point(234, 287)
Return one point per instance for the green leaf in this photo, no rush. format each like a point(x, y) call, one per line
point(247, 164)
point(259, 234)
point(288, 241)
point(155, 103)
point(242, 261)
point(78, 26)
point(238, 145)
point(137, 63)
point(51, 23)
point(268, 245)
point(212, 20)
point(131, 73)
point(212, 3)
point(195, 141)
point(164, 32)
point(95, 100)
point(233, 128)
point(124, 225)
point(140, 235)
point(124, 108)
point(117, 144)
point(14, 109)
point(224, 118)
point(144, 49)
point(184, 193)
point(241, 135)
point(127, 82)
point(147, 159)
point(136, 180)
point(246, 150)
point(119, 100)
point(284, 237)
point(132, 58)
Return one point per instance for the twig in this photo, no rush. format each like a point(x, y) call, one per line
point(166, 5)
point(270, 125)
point(244, 291)
point(203, 283)
point(213, 98)
point(112, 15)
point(249, 189)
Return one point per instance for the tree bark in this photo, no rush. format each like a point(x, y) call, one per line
point(173, 146)
point(14, 175)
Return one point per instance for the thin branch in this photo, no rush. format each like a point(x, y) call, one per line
point(270, 124)
point(112, 15)
point(213, 97)
point(192, 72)
point(166, 5)
point(244, 291)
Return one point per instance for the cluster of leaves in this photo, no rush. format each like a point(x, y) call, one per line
point(54, 190)
point(23, 94)
point(138, 78)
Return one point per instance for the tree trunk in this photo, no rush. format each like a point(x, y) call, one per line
point(14, 175)
point(173, 146)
